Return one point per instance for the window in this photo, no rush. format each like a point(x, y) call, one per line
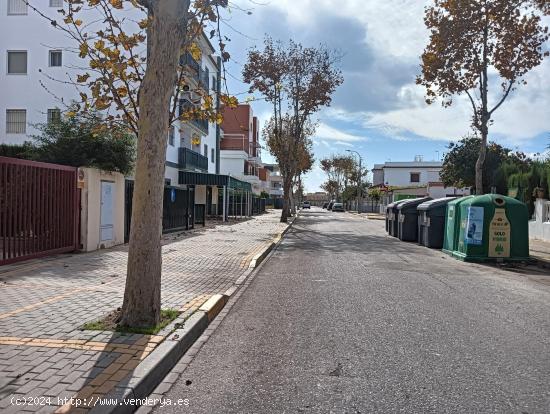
point(415, 177)
point(54, 115)
point(16, 121)
point(212, 155)
point(205, 150)
point(17, 7)
point(214, 84)
point(56, 3)
point(56, 58)
point(17, 62)
point(171, 135)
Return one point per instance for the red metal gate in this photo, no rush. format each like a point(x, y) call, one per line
point(39, 209)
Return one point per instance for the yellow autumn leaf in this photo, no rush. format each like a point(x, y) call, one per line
point(83, 49)
point(195, 51)
point(82, 78)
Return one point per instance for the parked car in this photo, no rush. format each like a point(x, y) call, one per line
point(306, 204)
point(325, 205)
point(337, 207)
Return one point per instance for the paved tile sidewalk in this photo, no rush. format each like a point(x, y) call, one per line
point(43, 353)
point(540, 249)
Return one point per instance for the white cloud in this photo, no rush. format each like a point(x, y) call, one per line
point(345, 144)
point(381, 18)
point(329, 133)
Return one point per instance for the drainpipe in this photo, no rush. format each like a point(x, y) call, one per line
point(218, 107)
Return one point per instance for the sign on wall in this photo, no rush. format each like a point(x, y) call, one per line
point(474, 226)
point(499, 234)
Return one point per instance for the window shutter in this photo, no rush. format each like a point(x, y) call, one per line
point(16, 121)
point(17, 7)
point(17, 62)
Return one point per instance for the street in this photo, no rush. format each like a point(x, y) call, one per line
point(342, 318)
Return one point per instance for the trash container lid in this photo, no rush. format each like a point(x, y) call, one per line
point(411, 204)
point(438, 202)
point(395, 203)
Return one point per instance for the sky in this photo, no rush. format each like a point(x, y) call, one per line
point(378, 111)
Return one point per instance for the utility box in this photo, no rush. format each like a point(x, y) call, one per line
point(391, 218)
point(431, 222)
point(407, 229)
point(489, 227)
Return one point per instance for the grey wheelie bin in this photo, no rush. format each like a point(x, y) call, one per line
point(391, 217)
point(407, 217)
point(431, 222)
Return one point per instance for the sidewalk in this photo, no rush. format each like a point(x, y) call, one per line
point(43, 353)
point(540, 250)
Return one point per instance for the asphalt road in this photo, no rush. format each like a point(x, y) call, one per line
point(344, 319)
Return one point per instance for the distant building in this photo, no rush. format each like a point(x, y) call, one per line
point(417, 177)
point(240, 150)
point(318, 198)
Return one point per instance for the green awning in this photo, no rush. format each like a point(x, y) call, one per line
point(197, 178)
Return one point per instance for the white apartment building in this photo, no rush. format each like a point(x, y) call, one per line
point(38, 59)
point(34, 62)
point(418, 177)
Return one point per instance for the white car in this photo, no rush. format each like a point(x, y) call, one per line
point(306, 204)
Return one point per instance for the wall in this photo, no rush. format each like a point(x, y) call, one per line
point(37, 36)
point(232, 162)
point(200, 194)
point(539, 228)
point(438, 191)
point(402, 176)
point(90, 183)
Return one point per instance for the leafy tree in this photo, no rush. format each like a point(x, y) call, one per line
point(264, 194)
point(84, 141)
point(472, 39)
point(294, 156)
point(137, 77)
point(304, 79)
point(342, 170)
point(330, 187)
point(459, 162)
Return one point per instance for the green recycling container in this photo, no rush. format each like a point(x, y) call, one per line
point(452, 225)
point(489, 227)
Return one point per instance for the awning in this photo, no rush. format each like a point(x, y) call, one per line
point(197, 178)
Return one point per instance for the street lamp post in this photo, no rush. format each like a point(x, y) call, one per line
point(359, 192)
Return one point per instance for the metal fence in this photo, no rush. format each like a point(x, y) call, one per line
point(178, 209)
point(40, 209)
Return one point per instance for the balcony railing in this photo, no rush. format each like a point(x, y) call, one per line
point(201, 124)
point(201, 76)
point(191, 160)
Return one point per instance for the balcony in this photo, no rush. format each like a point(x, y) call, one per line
point(200, 124)
point(192, 161)
point(187, 59)
point(201, 76)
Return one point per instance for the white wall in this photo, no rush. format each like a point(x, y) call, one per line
point(232, 162)
point(91, 208)
point(402, 176)
point(35, 35)
point(539, 228)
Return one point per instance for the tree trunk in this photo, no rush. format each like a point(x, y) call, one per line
point(286, 200)
point(165, 36)
point(484, 115)
point(481, 160)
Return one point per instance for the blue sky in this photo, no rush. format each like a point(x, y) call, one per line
point(378, 111)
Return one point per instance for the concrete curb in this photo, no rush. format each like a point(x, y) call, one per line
point(259, 258)
point(152, 370)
